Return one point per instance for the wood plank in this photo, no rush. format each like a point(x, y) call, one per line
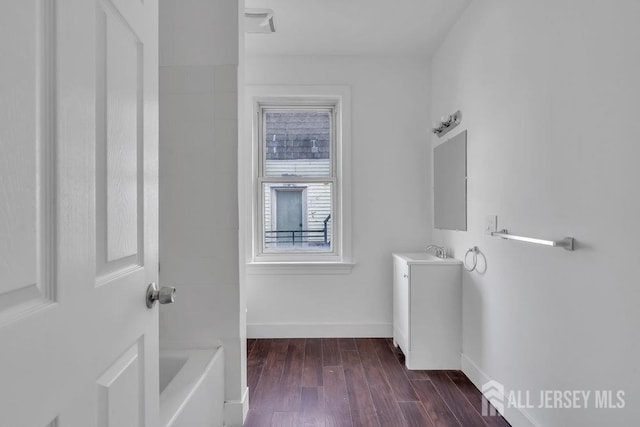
point(257, 418)
point(394, 372)
point(284, 419)
point(286, 398)
point(467, 388)
point(363, 411)
point(474, 396)
point(291, 381)
point(389, 413)
point(415, 414)
point(337, 410)
point(346, 344)
point(255, 364)
point(312, 407)
point(251, 342)
point(267, 391)
point(412, 374)
point(455, 400)
point(312, 370)
point(292, 371)
point(330, 353)
point(436, 408)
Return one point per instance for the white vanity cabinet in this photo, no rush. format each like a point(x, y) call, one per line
point(427, 310)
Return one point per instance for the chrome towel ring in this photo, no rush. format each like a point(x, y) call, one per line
point(474, 250)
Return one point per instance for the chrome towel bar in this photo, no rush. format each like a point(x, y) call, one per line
point(566, 243)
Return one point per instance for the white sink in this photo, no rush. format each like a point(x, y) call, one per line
point(425, 258)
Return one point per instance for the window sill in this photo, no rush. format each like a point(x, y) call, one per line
point(299, 268)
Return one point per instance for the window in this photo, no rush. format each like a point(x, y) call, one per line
point(300, 207)
point(297, 178)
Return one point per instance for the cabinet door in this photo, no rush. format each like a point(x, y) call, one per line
point(401, 304)
point(436, 317)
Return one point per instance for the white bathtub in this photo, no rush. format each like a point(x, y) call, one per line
point(192, 388)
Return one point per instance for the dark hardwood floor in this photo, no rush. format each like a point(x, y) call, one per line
point(353, 382)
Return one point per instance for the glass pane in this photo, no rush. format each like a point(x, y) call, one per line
point(297, 217)
point(297, 143)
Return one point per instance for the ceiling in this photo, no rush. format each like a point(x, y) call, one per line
point(354, 27)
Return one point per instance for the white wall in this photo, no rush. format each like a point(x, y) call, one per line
point(550, 95)
point(199, 56)
point(390, 196)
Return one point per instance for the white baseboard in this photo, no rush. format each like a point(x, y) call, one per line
point(319, 330)
point(235, 411)
point(515, 416)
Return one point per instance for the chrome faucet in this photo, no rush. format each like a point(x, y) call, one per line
point(440, 251)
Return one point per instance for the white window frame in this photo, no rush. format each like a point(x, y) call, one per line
point(340, 257)
point(286, 104)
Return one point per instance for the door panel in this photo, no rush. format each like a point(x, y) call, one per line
point(119, 137)
point(289, 209)
point(117, 406)
point(26, 166)
point(121, 55)
point(78, 213)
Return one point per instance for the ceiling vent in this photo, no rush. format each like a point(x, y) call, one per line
point(258, 21)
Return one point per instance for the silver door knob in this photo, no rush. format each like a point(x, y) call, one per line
point(164, 295)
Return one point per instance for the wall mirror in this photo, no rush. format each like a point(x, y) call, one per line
point(450, 183)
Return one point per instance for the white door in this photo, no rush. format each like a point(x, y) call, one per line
point(78, 213)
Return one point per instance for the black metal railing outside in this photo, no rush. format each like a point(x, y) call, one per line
point(298, 237)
